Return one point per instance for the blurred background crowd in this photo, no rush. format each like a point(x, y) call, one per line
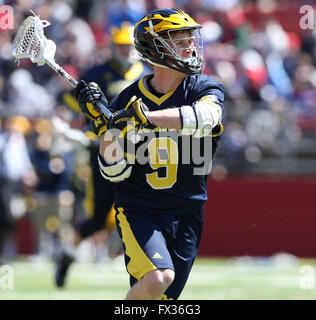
point(256, 48)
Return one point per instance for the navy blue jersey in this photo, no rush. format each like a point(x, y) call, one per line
point(168, 181)
point(112, 79)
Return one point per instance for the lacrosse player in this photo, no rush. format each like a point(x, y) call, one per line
point(159, 203)
point(120, 71)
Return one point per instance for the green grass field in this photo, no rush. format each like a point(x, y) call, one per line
point(244, 278)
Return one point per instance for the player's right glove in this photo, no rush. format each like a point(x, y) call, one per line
point(87, 95)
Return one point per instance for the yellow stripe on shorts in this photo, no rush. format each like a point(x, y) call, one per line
point(139, 263)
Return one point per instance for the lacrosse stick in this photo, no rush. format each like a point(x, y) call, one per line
point(30, 42)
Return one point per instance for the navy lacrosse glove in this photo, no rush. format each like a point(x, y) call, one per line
point(87, 96)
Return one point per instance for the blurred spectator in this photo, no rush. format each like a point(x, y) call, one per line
point(124, 10)
point(16, 170)
point(27, 97)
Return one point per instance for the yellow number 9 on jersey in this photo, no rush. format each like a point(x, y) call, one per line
point(163, 153)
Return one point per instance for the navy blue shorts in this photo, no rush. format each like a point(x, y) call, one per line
point(155, 241)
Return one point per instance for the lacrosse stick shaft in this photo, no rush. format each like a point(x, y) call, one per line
point(57, 68)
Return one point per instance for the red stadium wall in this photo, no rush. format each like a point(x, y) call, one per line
point(260, 216)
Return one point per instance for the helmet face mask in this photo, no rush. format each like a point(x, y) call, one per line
point(162, 37)
point(171, 48)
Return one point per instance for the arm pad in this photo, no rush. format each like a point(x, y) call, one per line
point(116, 172)
point(201, 118)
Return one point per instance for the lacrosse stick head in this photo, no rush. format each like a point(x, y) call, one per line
point(30, 41)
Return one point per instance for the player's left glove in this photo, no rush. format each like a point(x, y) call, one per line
point(131, 118)
point(88, 95)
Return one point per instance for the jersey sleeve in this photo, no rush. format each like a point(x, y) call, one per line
point(209, 89)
